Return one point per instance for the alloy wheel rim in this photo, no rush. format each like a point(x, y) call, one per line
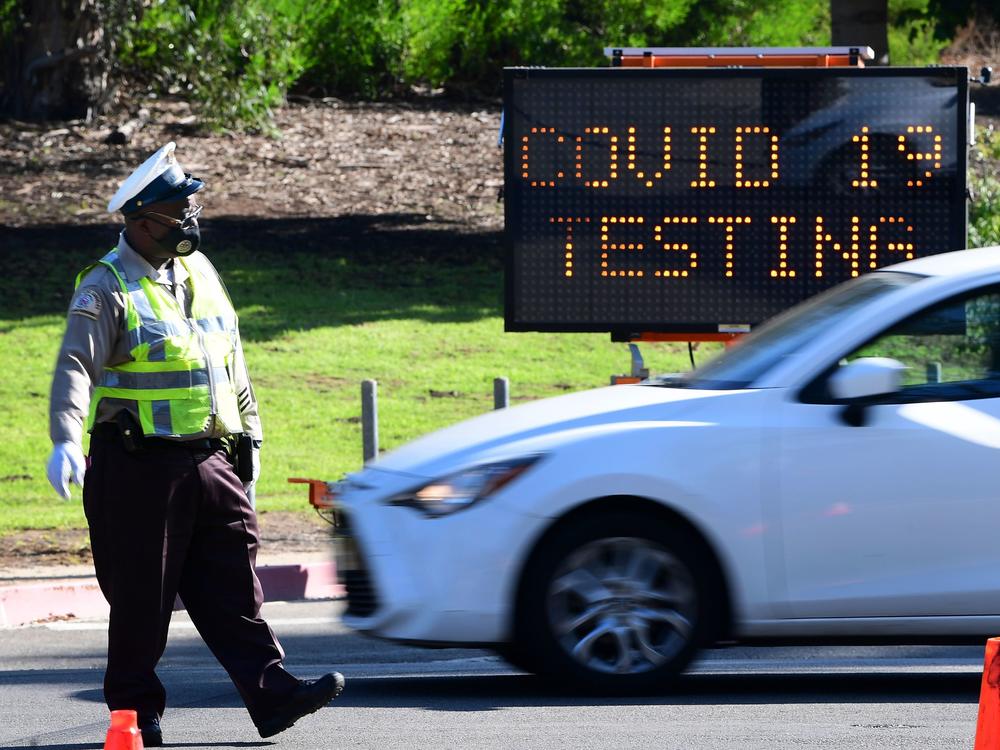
point(622, 605)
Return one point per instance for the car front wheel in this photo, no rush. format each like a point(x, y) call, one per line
point(614, 603)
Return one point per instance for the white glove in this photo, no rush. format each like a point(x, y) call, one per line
point(65, 463)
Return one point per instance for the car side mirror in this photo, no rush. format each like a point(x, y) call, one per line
point(861, 381)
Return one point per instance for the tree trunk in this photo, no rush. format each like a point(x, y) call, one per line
point(59, 61)
point(856, 23)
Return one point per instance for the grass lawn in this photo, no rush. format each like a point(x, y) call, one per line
point(420, 312)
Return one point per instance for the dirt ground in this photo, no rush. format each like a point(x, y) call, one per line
point(437, 161)
point(284, 531)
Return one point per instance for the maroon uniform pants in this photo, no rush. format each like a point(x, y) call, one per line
point(169, 521)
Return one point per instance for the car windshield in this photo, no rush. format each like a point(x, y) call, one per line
point(783, 335)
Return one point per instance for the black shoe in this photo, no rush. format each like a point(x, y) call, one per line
point(149, 727)
point(308, 696)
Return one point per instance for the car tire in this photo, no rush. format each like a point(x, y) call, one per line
point(614, 603)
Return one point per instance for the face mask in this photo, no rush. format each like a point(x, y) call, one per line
point(181, 241)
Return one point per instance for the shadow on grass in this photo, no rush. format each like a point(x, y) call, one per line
point(288, 274)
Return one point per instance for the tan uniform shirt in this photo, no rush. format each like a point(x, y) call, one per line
point(95, 338)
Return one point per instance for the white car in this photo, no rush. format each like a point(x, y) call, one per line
point(834, 476)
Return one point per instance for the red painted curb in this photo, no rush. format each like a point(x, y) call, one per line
point(286, 583)
point(71, 599)
point(58, 600)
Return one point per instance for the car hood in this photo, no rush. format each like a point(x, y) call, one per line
point(450, 448)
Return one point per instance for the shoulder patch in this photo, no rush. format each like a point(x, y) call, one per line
point(87, 303)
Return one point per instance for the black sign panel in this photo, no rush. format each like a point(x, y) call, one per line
point(707, 200)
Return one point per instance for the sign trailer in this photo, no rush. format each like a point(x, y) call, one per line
point(701, 201)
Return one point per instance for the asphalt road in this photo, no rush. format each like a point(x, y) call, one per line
point(406, 698)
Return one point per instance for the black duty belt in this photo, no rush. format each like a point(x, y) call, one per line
point(111, 431)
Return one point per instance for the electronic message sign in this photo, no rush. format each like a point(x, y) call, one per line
point(707, 200)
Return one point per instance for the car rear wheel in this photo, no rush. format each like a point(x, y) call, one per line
point(614, 603)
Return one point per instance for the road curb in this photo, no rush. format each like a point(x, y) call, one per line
point(23, 604)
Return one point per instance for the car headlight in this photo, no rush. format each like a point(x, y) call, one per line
point(444, 496)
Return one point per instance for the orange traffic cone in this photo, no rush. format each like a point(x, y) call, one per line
point(988, 725)
point(124, 732)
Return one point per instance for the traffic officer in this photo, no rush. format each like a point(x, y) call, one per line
point(151, 362)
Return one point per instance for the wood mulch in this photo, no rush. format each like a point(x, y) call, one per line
point(435, 160)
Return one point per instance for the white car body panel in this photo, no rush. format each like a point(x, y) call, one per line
point(444, 450)
point(768, 480)
point(923, 539)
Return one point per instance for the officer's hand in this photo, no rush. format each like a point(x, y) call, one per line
point(65, 463)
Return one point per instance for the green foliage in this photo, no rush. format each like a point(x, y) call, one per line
point(952, 14)
point(913, 33)
point(984, 210)
point(352, 47)
point(465, 43)
point(10, 20)
point(234, 59)
point(10, 14)
point(237, 60)
point(750, 23)
point(462, 42)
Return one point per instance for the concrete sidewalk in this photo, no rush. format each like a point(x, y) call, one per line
point(68, 592)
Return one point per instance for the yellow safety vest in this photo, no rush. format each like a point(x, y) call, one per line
point(181, 375)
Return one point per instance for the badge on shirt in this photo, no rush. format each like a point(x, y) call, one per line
point(87, 303)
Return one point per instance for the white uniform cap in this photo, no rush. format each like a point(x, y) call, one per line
point(159, 178)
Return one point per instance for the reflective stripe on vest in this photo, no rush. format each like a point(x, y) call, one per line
point(180, 376)
point(183, 379)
